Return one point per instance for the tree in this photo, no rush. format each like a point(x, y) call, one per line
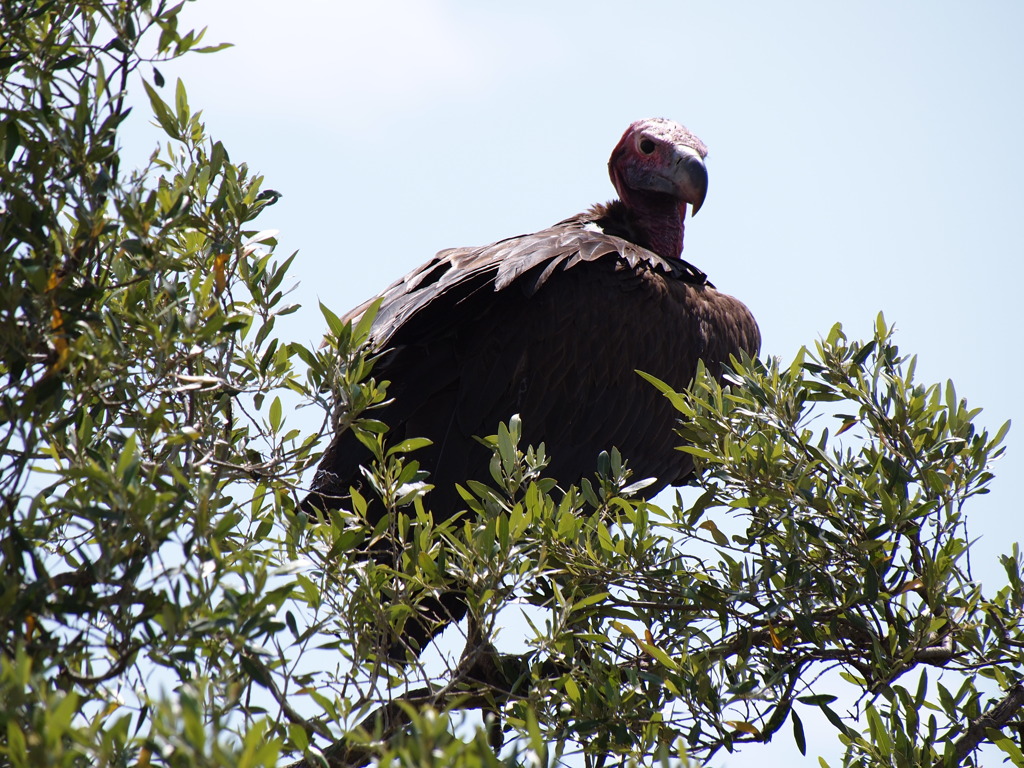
point(163, 603)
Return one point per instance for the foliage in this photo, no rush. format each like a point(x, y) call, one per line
point(135, 331)
point(163, 603)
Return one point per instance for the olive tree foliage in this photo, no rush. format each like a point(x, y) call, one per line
point(163, 603)
point(139, 412)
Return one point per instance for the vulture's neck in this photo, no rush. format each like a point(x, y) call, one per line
point(655, 223)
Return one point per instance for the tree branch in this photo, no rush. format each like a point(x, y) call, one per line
point(998, 716)
point(486, 679)
point(385, 721)
point(481, 666)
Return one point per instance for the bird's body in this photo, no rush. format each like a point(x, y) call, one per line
point(553, 326)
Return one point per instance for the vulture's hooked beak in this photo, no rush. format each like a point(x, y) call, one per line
point(690, 176)
point(682, 176)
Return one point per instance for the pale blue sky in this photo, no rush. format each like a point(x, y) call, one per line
point(863, 157)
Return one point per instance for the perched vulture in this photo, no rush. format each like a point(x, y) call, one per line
point(553, 326)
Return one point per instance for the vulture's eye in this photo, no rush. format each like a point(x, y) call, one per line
point(646, 146)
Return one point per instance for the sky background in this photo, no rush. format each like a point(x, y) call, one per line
point(863, 157)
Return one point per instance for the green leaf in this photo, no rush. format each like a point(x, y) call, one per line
point(275, 415)
point(678, 400)
point(863, 352)
point(658, 654)
point(836, 721)
point(571, 689)
point(719, 537)
point(333, 321)
point(594, 599)
point(361, 330)
point(1007, 745)
point(161, 111)
point(816, 700)
point(409, 445)
point(181, 103)
point(881, 329)
point(798, 732)
point(128, 456)
point(256, 670)
point(1000, 434)
point(701, 453)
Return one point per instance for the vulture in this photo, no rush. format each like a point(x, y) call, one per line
point(552, 326)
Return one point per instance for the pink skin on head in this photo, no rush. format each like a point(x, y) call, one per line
point(657, 169)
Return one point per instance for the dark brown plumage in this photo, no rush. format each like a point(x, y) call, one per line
point(553, 326)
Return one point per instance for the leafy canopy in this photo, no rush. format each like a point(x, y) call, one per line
point(163, 604)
